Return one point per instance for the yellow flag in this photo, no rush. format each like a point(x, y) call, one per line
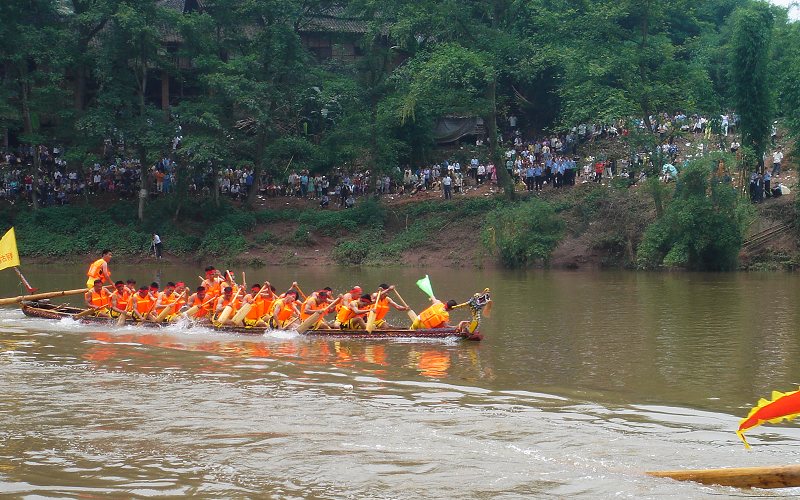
point(9, 257)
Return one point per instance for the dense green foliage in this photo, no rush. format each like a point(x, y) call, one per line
point(523, 234)
point(752, 36)
point(702, 228)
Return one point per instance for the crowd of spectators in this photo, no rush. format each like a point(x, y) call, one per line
point(532, 162)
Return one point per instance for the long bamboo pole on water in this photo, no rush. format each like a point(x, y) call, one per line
point(38, 296)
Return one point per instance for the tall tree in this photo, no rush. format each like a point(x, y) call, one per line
point(131, 49)
point(752, 37)
point(31, 40)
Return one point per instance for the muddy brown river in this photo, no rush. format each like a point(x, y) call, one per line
point(583, 382)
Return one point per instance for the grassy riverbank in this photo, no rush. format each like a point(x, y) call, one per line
point(588, 225)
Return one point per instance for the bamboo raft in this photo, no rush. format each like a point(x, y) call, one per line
point(51, 311)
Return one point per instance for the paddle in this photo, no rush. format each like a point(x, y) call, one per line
point(245, 309)
point(228, 310)
point(373, 313)
point(411, 314)
point(193, 310)
point(88, 312)
point(312, 320)
point(123, 316)
point(295, 285)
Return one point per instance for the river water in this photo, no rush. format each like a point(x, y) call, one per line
point(583, 382)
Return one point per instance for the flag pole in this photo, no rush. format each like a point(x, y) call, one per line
point(24, 281)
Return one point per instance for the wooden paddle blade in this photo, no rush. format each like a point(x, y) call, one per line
point(787, 476)
point(122, 318)
point(163, 314)
point(241, 313)
point(225, 314)
point(309, 322)
point(412, 315)
point(85, 313)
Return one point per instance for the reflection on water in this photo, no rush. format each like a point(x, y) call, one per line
point(584, 380)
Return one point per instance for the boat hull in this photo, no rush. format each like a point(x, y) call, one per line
point(52, 311)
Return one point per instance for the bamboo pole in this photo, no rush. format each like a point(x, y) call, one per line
point(39, 296)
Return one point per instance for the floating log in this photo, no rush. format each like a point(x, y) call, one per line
point(779, 476)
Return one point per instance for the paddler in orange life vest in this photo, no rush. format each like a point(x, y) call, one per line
point(320, 299)
point(142, 304)
point(383, 305)
point(166, 299)
point(120, 299)
point(213, 282)
point(98, 270)
point(98, 298)
point(352, 316)
point(203, 302)
point(437, 316)
point(284, 310)
point(255, 317)
point(227, 299)
point(348, 297)
point(182, 292)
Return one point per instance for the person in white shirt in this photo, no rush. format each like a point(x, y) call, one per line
point(157, 245)
point(777, 157)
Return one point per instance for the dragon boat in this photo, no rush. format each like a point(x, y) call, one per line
point(476, 304)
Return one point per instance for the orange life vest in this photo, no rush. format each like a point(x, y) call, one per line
point(95, 271)
point(123, 299)
point(143, 304)
point(345, 314)
point(100, 299)
point(233, 302)
point(434, 317)
point(166, 301)
point(382, 308)
point(286, 311)
point(202, 307)
point(315, 307)
point(257, 311)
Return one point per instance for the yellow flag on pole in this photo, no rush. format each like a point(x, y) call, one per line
point(9, 257)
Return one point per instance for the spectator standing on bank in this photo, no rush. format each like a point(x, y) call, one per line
point(447, 182)
point(157, 246)
point(777, 158)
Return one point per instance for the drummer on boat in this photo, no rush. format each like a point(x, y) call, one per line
point(98, 298)
point(98, 270)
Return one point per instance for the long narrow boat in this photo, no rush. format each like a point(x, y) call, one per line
point(476, 304)
point(778, 476)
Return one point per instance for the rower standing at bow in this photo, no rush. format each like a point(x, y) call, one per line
point(98, 270)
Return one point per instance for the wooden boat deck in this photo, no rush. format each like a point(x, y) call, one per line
point(52, 311)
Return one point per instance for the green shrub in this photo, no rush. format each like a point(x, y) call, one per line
point(524, 233)
point(702, 227)
point(266, 238)
point(356, 251)
point(223, 240)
